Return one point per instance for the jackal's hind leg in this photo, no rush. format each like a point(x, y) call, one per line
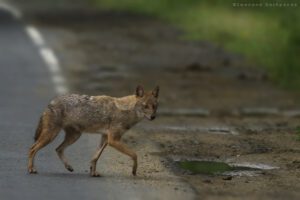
point(45, 138)
point(71, 136)
point(97, 155)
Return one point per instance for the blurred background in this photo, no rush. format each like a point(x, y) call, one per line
point(229, 73)
point(264, 32)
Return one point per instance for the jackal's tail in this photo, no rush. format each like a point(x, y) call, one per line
point(39, 129)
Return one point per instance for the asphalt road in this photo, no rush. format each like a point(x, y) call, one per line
point(25, 89)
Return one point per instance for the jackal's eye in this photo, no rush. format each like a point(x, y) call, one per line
point(147, 106)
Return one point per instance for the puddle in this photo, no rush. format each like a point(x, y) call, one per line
point(223, 168)
point(191, 128)
point(196, 112)
point(259, 111)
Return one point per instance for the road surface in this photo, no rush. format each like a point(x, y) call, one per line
point(26, 88)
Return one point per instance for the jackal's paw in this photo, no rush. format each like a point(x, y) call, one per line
point(32, 171)
point(134, 173)
point(69, 168)
point(95, 174)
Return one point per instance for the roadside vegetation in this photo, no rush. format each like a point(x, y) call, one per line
point(267, 36)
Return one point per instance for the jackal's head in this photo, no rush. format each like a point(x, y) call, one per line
point(147, 102)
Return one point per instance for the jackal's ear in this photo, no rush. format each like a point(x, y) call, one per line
point(139, 92)
point(155, 92)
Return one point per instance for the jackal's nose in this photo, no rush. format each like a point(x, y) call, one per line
point(152, 117)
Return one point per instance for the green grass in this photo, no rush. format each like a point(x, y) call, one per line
point(268, 37)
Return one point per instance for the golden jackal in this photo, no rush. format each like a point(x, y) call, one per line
point(110, 116)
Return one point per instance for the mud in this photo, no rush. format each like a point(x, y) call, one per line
point(201, 85)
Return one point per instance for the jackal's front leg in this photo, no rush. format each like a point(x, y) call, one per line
point(114, 141)
point(96, 156)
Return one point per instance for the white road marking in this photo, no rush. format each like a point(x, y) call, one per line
point(46, 53)
point(35, 35)
point(50, 59)
point(6, 6)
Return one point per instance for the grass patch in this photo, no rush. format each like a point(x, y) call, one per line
point(268, 37)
